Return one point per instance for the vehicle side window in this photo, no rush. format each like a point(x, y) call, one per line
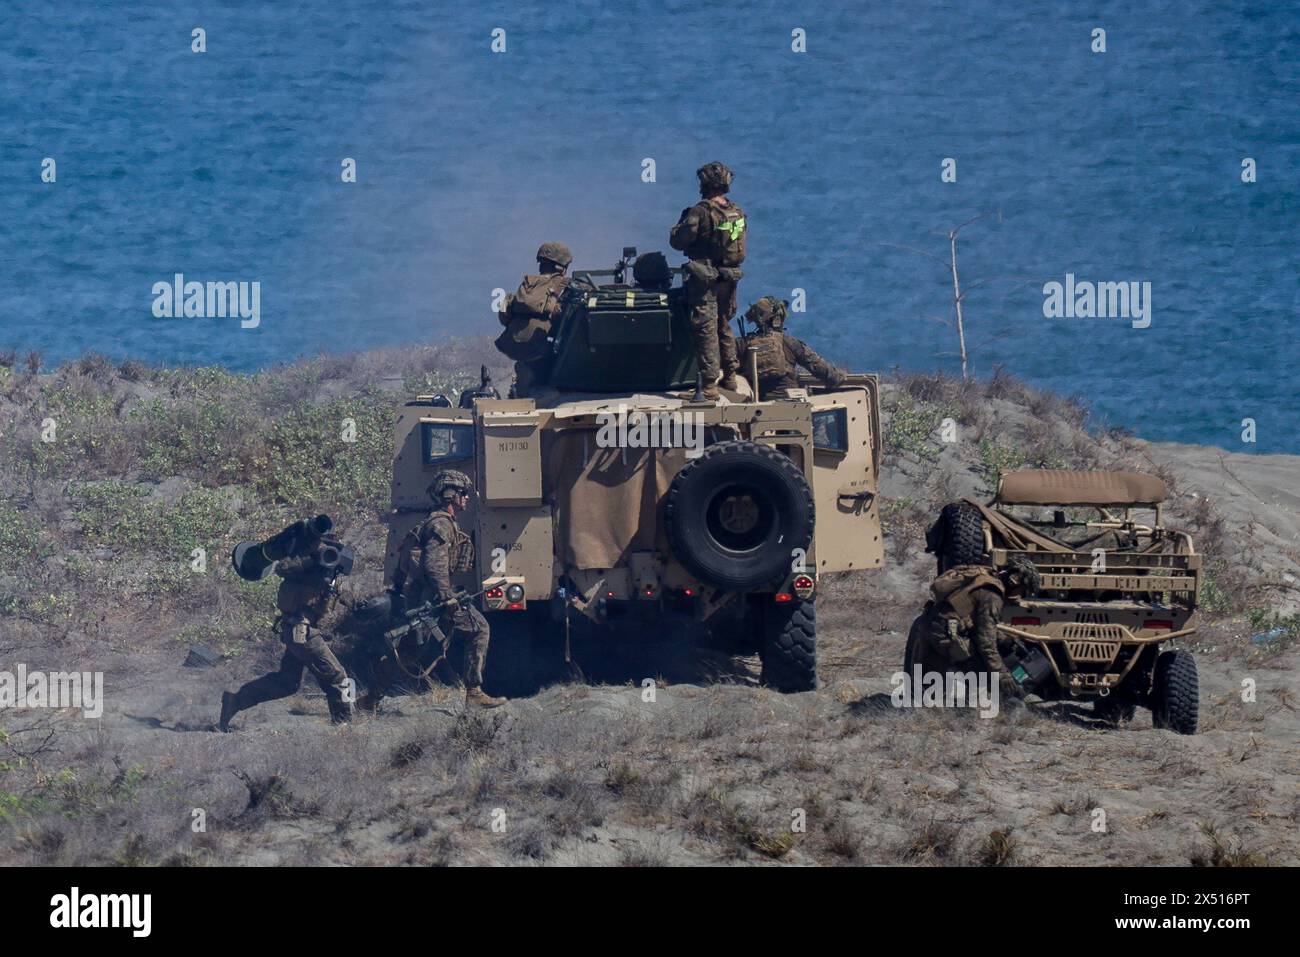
point(441, 442)
point(831, 430)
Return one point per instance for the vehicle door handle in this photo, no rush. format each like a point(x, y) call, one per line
point(855, 495)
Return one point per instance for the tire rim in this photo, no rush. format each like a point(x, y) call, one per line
point(739, 517)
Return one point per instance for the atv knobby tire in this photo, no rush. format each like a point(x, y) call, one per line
point(789, 649)
point(961, 536)
point(1176, 692)
point(736, 515)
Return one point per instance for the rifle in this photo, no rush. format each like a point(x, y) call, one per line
point(423, 618)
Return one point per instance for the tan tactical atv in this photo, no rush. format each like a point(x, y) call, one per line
point(618, 502)
point(1114, 589)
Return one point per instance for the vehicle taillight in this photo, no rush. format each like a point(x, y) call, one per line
point(688, 592)
point(494, 593)
point(782, 597)
point(1023, 622)
point(803, 586)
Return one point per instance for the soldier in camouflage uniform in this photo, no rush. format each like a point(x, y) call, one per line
point(529, 314)
point(779, 355)
point(712, 234)
point(308, 604)
point(427, 558)
point(957, 630)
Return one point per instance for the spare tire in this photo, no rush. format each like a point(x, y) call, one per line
point(736, 514)
point(957, 538)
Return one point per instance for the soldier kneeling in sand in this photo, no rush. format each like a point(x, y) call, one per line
point(957, 630)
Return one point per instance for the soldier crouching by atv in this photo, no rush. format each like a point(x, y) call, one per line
point(958, 629)
point(309, 561)
point(423, 593)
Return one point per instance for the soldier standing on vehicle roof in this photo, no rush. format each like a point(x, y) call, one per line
point(426, 559)
point(308, 604)
point(712, 234)
point(958, 630)
point(778, 354)
point(530, 313)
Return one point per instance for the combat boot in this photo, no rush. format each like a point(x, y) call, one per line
point(478, 698)
point(711, 393)
point(228, 710)
point(729, 382)
point(369, 702)
point(341, 713)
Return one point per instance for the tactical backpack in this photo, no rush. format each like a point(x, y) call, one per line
point(528, 316)
point(460, 554)
point(727, 233)
point(768, 347)
point(949, 617)
point(534, 296)
point(405, 572)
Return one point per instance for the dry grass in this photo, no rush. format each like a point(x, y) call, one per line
point(998, 848)
point(1225, 851)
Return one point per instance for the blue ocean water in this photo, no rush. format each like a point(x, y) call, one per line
point(1115, 166)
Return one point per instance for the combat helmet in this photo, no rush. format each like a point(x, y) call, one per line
point(651, 271)
point(1022, 576)
point(557, 253)
point(447, 484)
point(714, 176)
point(768, 313)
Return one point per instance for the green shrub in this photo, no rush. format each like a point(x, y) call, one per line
point(123, 517)
point(910, 427)
point(206, 440)
point(996, 458)
point(307, 462)
point(1214, 597)
point(24, 540)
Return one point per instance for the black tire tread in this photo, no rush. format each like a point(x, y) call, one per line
point(1176, 692)
point(790, 648)
point(963, 538)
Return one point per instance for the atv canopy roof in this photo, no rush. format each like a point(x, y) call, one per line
point(1062, 487)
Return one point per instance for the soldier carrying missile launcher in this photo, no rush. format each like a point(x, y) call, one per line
point(309, 561)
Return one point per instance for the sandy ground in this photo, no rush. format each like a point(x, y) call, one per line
point(706, 772)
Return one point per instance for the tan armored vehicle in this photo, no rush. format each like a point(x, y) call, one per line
point(616, 502)
point(1115, 589)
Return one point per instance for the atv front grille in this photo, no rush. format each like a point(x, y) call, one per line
point(1093, 617)
point(1092, 643)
